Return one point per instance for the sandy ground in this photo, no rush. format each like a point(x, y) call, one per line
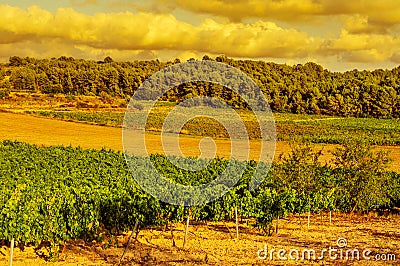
point(215, 243)
point(45, 131)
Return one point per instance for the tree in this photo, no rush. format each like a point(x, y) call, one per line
point(363, 175)
point(108, 60)
point(299, 171)
point(23, 79)
point(16, 61)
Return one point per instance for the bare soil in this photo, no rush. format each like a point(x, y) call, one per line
point(215, 243)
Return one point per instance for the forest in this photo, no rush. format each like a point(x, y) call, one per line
point(298, 89)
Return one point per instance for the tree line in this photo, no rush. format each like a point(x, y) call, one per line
point(299, 89)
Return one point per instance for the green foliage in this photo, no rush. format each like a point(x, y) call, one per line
point(105, 97)
point(23, 79)
point(363, 175)
point(70, 97)
point(300, 89)
point(103, 118)
point(54, 194)
point(60, 193)
point(4, 93)
point(336, 130)
point(301, 171)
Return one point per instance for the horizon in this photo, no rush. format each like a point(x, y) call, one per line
point(213, 58)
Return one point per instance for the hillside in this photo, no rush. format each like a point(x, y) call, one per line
point(299, 89)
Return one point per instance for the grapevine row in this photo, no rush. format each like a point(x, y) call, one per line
point(55, 194)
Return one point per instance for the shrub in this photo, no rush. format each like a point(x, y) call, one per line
point(105, 97)
point(4, 93)
point(362, 176)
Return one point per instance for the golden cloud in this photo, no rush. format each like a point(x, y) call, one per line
point(241, 9)
point(358, 24)
point(146, 31)
point(396, 57)
point(362, 47)
point(83, 2)
point(143, 35)
point(380, 14)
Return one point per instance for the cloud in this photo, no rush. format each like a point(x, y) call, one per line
point(143, 35)
point(363, 56)
point(364, 47)
point(241, 9)
point(358, 24)
point(84, 2)
point(396, 57)
point(380, 14)
point(260, 39)
point(141, 6)
point(147, 31)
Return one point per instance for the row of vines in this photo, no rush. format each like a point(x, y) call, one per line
point(55, 194)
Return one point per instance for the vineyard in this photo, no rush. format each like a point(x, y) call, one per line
point(54, 194)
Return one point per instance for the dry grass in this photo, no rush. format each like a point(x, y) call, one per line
point(43, 131)
point(22, 101)
point(214, 243)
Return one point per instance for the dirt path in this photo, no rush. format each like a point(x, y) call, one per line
point(44, 131)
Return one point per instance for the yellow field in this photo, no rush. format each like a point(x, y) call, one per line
point(44, 131)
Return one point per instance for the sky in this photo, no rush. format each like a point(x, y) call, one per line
point(340, 35)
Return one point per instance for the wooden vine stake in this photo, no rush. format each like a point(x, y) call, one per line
point(172, 235)
point(237, 223)
point(186, 229)
point(11, 251)
point(130, 239)
point(277, 224)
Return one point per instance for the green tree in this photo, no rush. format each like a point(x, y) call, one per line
point(363, 175)
point(23, 79)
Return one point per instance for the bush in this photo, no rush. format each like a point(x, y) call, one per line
point(105, 97)
point(362, 176)
point(4, 93)
point(70, 97)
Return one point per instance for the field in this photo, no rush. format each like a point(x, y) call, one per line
point(44, 184)
point(214, 243)
point(44, 131)
point(55, 172)
point(290, 127)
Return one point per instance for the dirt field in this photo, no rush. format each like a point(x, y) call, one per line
point(44, 131)
point(216, 244)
